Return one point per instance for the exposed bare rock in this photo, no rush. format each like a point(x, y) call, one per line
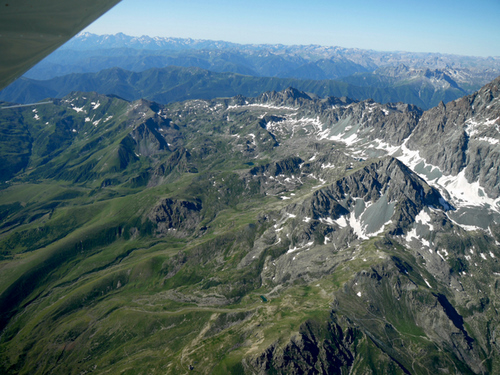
point(175, 217)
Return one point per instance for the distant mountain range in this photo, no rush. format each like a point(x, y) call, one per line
point(369, 59)
point(423, 79)
point(91, 53)
point(424, 88)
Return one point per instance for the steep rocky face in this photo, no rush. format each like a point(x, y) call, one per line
point(391, 122)
point(288, 97)
point(391, 290)
point(439, 78)
point(316, 349)
point(463, 135)
point(175, 218)
point(391, 179)
point(147, 139)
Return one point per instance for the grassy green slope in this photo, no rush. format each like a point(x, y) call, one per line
point(97, 275)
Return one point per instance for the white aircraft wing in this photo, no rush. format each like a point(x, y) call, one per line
point(32, 29)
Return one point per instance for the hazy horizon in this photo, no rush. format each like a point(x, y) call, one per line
point(283, 44)
point(447, 27)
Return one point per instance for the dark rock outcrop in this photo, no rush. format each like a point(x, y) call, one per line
point(177, 218)
point(316, 349)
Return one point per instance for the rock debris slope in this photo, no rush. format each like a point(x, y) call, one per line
point(284, 233)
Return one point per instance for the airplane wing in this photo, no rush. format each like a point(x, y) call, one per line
point(32, 29)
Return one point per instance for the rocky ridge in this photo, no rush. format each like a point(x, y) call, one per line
point(282, 234)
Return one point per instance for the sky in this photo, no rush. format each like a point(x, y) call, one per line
point(457, 27)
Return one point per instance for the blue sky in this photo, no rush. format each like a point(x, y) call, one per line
point(458, 27)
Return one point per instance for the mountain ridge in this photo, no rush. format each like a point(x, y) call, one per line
point(429, 77)
point(270, 234)
point(177, 84)
point(109, 40)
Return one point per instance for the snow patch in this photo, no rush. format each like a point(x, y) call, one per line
point(424, 218)
point(326, 166)
point(267, 106)
point(493, 141)
point(294, 249)
point(462, 192)
point(465, 193)
point(413, 235)
point(342, 222)
point(327, 221)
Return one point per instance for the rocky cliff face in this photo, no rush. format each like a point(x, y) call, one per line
point(463, 135)
point(176, 218)
point(316, 349)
